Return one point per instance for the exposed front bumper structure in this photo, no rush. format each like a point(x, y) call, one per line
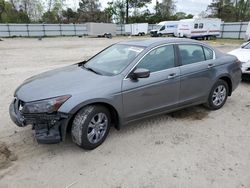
point(49, 128)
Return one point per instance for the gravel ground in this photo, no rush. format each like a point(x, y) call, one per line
point(193, 147)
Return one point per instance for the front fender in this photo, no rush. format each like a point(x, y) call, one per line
point(71, 109)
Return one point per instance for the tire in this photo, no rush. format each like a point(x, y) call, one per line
point(218, 95)
point(86, 132)
point(245, 77)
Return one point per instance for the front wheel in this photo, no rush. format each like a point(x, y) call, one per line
point(91, 127)
point(218, 95)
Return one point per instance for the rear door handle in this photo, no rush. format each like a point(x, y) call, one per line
point(171, 76)
point(210, 65)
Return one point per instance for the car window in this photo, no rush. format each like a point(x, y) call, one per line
point(163, 28)
point(200, 25)
point(196, 26)
point(191, 54)
point(159, 59)
point(209, 54)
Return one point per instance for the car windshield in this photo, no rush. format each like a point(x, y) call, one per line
point(113, 60)
point(247, 46)
point(158, 27)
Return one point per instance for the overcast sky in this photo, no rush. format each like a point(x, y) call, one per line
point(189, 6)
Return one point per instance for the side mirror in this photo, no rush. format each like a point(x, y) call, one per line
point(140, 73)
point(81, 63)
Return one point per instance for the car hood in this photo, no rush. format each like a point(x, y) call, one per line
point(68, 80)
point(242, 54)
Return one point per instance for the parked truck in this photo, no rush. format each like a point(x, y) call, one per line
point(203, 28)
point(101, 29)
point(165, 28)
point(136, 29)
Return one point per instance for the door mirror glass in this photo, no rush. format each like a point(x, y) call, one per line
point(140, 73)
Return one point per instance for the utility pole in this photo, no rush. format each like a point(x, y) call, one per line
point(127, 11)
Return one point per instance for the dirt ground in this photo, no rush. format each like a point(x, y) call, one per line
point(189, 148)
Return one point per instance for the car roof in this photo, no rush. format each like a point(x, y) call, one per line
point(157, 41)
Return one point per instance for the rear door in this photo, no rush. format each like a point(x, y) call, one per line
point(160, 91)
point(197, 72)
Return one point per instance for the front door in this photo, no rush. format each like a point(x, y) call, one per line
point(160, 91)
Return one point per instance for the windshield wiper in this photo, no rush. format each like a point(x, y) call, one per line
point(92, 70)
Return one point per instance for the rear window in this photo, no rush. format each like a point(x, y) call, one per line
point(191, 53)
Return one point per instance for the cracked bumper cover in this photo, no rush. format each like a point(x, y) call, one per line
point(49, 128)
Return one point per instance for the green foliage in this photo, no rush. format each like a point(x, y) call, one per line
point(138, 4)
point(89, 5)
point(165, 9)
point(69, 15)
point(110, 11)
point(50, 17)
point(10, 15)
point(120, 11)
point(54, 11)
point(89, 11)
point(230, 10)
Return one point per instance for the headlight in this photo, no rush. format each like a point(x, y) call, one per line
point(45, 106)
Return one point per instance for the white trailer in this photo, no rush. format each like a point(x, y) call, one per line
point(247, 36)
point(165, 28)
point(199, 28)
point(101, 29)
point(136, 29)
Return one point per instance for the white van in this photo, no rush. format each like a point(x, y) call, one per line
point(247, 36)
point(204, 28)
point(136, 29)
point(165, 28)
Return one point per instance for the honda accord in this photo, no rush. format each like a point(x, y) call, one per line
point(125, 82)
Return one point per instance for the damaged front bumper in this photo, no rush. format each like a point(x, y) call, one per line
point(49, 128)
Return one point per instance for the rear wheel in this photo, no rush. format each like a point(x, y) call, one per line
point(218, 95)
point(91, 126)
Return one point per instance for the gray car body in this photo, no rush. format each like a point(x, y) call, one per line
point(132, 100)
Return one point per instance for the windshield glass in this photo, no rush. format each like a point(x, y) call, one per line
point(247, 46)
point(114, 59)
point(159, 27)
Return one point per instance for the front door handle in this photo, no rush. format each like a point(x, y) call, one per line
point(171, 76)
point(210, 66)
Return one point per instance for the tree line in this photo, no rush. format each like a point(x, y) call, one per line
point(117, 11)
